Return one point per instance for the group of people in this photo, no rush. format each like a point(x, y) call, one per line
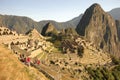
point(28, 60)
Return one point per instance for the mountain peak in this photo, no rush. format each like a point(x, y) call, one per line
point(95, 8)
point(49, 25)
point(96, 5)
point(49, 29)
point(91, 13)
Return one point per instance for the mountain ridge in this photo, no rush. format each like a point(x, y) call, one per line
point(23, 24)
point(17, 22)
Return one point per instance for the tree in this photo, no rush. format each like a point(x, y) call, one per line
point(10, 33)
point(80, 50)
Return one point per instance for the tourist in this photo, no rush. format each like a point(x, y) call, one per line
point(28, 60)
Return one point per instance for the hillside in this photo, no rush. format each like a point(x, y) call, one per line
point(23, 24)
point(12, 69)
point(17, 23)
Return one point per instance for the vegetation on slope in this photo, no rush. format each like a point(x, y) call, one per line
point(106, 73)
point(58, 38)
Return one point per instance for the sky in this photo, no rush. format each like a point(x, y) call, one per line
point(58, 10)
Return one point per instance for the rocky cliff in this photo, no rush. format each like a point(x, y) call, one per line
point(99, 27)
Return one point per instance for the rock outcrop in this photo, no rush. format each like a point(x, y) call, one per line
point(49, 30)
point(99, 27)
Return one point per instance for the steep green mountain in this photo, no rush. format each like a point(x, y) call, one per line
point(99, 27)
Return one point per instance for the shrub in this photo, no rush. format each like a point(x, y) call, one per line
point(10, 33)
point(102, 74)
point(115, 60)
point(80, 51)
point(52, 62)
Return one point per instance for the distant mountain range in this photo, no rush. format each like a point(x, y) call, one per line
point(23, 24)
point(17, 23)
point(75, 20)
point(115, 13)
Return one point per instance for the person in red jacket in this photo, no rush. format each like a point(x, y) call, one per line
point(28, 60)
point(38, 62)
